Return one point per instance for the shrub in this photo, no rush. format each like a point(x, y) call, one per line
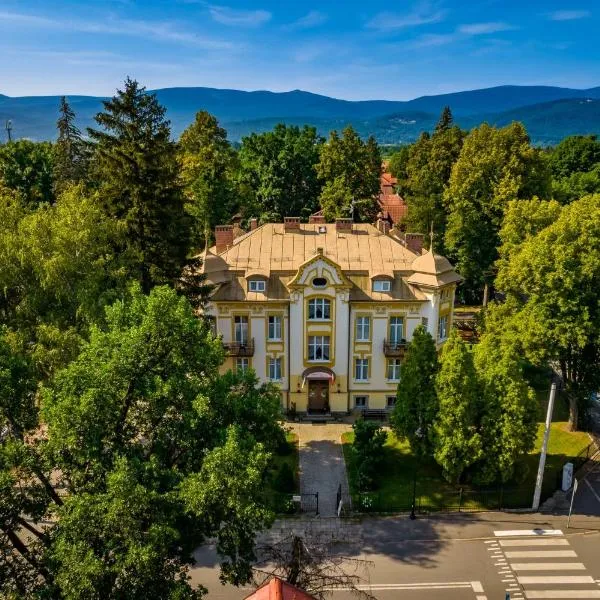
point(369, 439)
point(284, 480)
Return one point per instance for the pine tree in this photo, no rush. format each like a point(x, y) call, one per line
point(457, 443)
point(445, 121)
point(417, 404)
point(136, 169)
point(70, 153)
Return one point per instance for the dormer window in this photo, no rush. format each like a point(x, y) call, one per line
point(257, 285)
point(319, 309)
point(382, 285)
point(319, 282)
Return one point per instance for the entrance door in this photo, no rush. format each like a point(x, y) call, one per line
point(318, 396)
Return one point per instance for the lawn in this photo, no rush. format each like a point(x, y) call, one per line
point(395, 487)
point(279, 489)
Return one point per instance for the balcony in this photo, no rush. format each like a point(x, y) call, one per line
point(239, 348)
point(394, 349)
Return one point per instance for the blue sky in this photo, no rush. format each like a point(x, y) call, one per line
point(352, 49)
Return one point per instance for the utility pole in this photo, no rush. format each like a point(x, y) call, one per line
point(9, 129)
point(540, 475)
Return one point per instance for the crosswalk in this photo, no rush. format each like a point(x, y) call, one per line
point(527, 561)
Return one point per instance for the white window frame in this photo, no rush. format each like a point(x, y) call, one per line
point(443, 328)
point(382, 285)
point(395, 324)
point(361, 367)
point(363, 329)
point(241, 329)
point(257, 285)
point(275, 370)
point(242, 364)
point(274, 323)
point(393, 367)
point(319, 304)
point(389, 405)
point(364, 401)
point(318, 343)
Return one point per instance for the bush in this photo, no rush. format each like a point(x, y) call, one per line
point(369, 439)
point(284, 480)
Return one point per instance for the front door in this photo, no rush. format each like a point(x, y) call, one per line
point(318, 396)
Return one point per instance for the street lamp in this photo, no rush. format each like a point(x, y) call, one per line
point(419, 436)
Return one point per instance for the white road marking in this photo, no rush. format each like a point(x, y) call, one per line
point(555, 579)
point(548, 566)
point(508, 580)
point(474, 585)
point(540, 542)
point(521, 532)
point(593, 490)
point(541, 554)
point(563, 594)
point(481, 597)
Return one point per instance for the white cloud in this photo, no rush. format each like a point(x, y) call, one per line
point(433, 39)
point(313, 18)
point(422, 14)
point(484, 28)
point(568, 15)
point(155, 30)
point(238, 18)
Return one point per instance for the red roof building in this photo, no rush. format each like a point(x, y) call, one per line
point(277, 589)
point(392, 205)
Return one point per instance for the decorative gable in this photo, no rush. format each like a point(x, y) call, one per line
point(317, 267)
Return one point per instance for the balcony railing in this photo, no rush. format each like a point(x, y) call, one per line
point(394, 349)
point(239, 348)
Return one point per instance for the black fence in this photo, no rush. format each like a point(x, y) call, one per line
point(436, 499)
point(581, 459)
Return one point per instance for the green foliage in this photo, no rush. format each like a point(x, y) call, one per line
point(155, 454)
point(135, 167)
point(552, 281)
point(577, 185)
point(70, 153)
point(494, 167)
point(417, 404)
point(350, 170)
point(456, 439)
point(278, 169)
point(510, 411)
point(284, 479)
point(26, 167)
point(207, 165)
point(369, 439)
point(397, 164)
point(574, 154)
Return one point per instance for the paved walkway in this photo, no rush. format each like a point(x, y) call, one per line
point(322, 467)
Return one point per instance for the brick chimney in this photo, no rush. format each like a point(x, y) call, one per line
point(343, 225)
point(382, 224)
point(316, 219)
point(414, 242)
point(253, 223)
point(291, 224)
point(223, 237)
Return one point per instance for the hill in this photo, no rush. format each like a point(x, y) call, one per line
point(550, 113)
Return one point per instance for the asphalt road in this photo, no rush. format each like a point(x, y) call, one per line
point(461, 557)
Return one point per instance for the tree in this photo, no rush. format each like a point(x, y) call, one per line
point(26, 167)
point(551, 282)
point(509, 416)
point(574, 154)
point(397, 165)
point(207, 164)
point(428, 171)
point(148, 467)
point(350, 170)
point(69, 151)
point(494, 167)
point(456, 439)
point(417, 404)
point(278, 168)
point(369, 439)
point(135, 167)
point(577, 185)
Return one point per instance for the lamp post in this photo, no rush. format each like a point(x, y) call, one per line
point(419, 436)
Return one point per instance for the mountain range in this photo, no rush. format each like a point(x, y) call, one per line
point(549, 113)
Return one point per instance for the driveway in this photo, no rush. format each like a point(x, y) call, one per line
point(322, 467)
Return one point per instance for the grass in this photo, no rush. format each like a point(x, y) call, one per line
point(288, 454)
point(395, 485)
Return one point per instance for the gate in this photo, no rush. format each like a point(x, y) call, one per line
point(309, 502)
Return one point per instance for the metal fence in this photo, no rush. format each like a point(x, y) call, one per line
point(581, 459)
point(293, 504)
point(462, 499)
